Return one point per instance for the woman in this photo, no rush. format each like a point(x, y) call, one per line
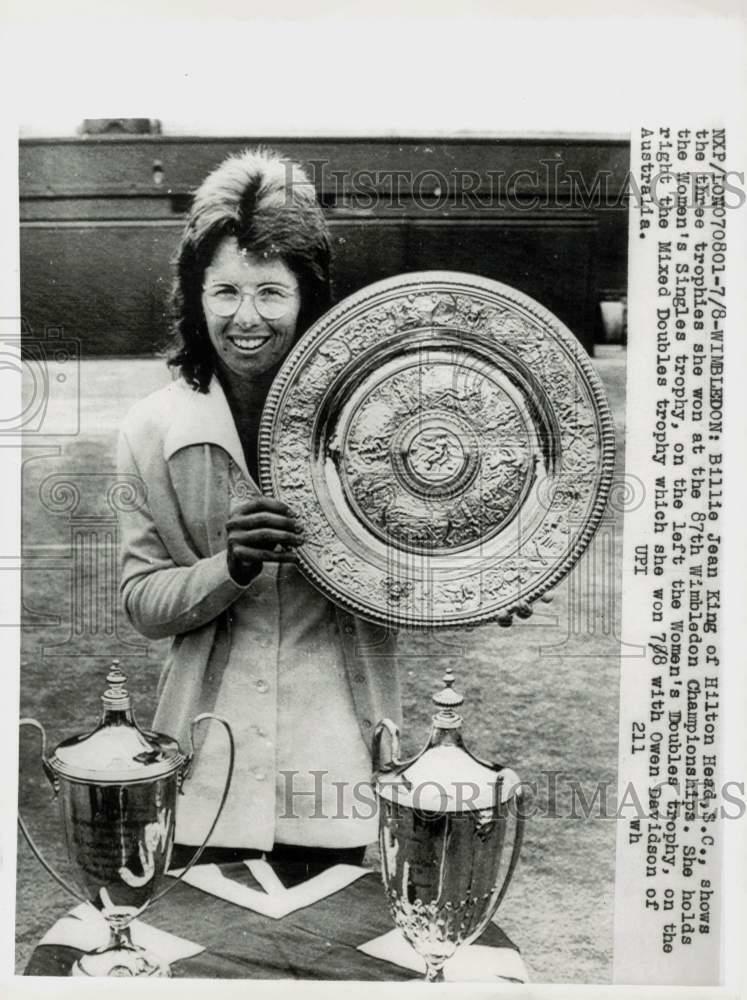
point(210, 562)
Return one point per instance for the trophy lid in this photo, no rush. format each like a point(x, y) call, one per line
point(117, 751)
point(445, 776)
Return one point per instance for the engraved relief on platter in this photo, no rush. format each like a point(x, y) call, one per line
point(425, 427)
point(436, 457)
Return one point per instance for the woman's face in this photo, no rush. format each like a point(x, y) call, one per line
point(247, 343)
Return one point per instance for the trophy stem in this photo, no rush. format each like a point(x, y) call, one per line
point(121, 957)
point(434, 972)
point(120, 937)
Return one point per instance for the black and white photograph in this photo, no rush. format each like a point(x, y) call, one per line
point(371, 536)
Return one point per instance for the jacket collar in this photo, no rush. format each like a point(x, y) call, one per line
point(202, 418)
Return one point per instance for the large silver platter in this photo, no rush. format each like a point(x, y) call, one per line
point(447, 444)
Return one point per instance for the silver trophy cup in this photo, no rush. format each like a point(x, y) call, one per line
point(117, 790)
point(450, 832)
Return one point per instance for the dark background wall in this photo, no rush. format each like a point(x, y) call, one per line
point(101, 215)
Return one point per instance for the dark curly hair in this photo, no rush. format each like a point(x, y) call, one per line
point(268, 203)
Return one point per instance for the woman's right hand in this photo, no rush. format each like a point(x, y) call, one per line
point(260, 530)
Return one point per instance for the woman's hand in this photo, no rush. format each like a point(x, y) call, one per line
point(260, 530)
point(522, 610)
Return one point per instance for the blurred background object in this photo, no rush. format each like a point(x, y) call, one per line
point(120, 126)
point(101, 213)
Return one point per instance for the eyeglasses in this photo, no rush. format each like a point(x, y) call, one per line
point(270, 301)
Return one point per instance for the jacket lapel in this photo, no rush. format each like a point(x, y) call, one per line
point(202, 418)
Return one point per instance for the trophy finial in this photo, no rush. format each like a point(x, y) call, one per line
point(447, 700)
point(116, 695)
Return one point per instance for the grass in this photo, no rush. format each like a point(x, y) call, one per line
point(541, 697)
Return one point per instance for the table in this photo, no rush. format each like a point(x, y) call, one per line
point(318, 942)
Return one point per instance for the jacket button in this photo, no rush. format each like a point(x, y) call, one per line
point(360, 678)
point(367, 723)
point(349, 629)
point(262, 686)
point(260, 775)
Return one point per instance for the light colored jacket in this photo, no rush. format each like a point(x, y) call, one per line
point(175, 579)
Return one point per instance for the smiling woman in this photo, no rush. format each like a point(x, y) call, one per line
point(210, 562)
point(251, 309)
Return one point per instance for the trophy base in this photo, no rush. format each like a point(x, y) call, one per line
point(121, 962)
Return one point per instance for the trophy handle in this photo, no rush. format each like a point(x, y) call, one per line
point(516, 849)
point(386, 725)
point(49, 772)
point(185, 774)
